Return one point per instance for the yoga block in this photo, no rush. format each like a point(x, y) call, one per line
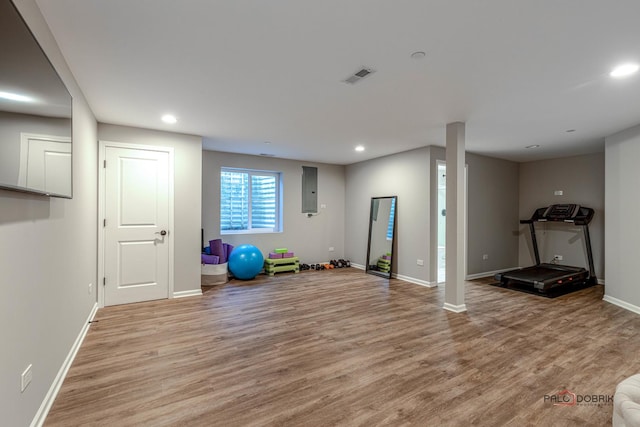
point(209, 259)
point(287, 255)
point(273, 255)
point(281, 250)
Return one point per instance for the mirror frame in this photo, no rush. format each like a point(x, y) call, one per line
point(368, 268)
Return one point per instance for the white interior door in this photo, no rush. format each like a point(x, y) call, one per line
point(136, 234)
point(45, 163)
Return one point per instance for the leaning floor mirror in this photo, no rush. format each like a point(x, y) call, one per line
point(382, 227)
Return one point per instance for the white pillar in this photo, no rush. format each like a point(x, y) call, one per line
point(454, 286)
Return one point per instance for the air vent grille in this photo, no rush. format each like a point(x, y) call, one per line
point(358, 75)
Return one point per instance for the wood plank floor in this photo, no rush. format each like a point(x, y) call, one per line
point(344, 348)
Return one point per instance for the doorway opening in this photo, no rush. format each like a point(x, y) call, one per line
point(442, 221)
point(441, 261)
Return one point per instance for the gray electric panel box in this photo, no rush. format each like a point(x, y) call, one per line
point(309, 189)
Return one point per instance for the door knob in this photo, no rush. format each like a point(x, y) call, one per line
point(162, 233)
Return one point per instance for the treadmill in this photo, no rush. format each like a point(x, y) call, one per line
point(552, 278)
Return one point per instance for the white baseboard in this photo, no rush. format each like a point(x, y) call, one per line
point(620, 303)
point(43, 411)
point(414, 280)
point(455, 308)
point(191, 293)
point(600, 281)
point(403, 277)
point(488, 273)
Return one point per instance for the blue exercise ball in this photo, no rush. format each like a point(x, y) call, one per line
point(245, 262)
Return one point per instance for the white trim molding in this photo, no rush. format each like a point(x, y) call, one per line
point(488, 273)
point(620, 303)
point(404, 278)
point(415, 281)
point(455, 308)
point(191, 293)
point(43, 411)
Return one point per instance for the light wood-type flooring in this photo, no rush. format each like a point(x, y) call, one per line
point(342, 348)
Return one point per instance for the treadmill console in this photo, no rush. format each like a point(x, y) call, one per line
point(562, 213)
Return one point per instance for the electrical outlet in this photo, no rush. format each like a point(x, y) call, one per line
point(90, 288)
point(558, 193)
point(331, 249)
point(420, 262)
point(26, 378)
point(485, 257)
point(323, 206)
point(558, 257)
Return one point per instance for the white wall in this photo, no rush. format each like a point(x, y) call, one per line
point(187, 195)
point(405, 175)
point(582, 180)
point(412, 176)
point(47, 260)
point(492, 214)
point(622, 239)
point(309, 238)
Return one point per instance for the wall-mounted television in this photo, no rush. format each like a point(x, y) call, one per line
point(35, 114)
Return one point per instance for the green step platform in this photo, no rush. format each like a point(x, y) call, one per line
point(280, 265)
point(384, 265)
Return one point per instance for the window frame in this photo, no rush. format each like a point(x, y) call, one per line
point(278, 203)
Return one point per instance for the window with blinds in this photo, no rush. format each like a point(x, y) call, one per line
point(392, 216)
point(249, 201)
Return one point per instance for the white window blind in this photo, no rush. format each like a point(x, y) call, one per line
point(391, 220)
point(249, 201)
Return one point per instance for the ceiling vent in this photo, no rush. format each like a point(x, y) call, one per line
point(359, 75)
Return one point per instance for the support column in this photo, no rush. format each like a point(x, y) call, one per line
point(454, 286)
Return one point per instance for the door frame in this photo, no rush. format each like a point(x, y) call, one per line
point(434, 252)
point(102, 151)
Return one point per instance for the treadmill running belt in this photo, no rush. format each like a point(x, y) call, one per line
point(542, 273)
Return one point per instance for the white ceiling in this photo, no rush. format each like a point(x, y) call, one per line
point(242, 72)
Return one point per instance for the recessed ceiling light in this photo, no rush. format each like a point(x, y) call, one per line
point(15, 97)
point(418, 55)
point(360, 148)
point(169, 118)
point(532, 146)
point(624, 70)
